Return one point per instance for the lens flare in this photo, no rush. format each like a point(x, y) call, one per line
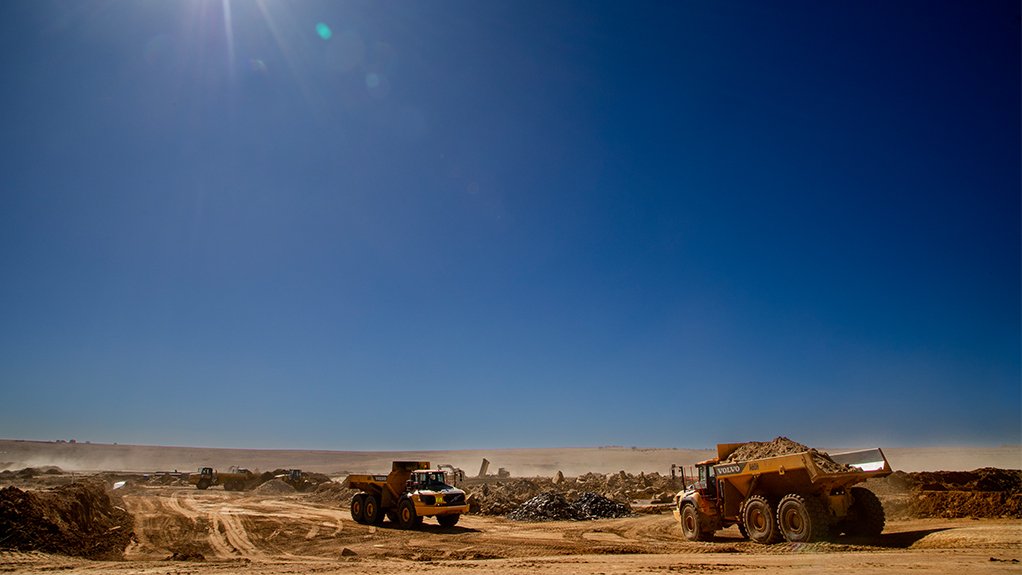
point(324, 31)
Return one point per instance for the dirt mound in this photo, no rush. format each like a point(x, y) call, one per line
point(332, 492)
point(274, 487)
point(556, 507)
point(986, 492)
point(82, 519)
point(784, 446)
point(30, 472)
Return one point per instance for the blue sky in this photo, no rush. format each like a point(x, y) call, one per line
point(338, 224)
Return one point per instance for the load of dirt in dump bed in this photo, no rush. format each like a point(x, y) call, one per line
point(504, 496)
point(556, 507)
point(986, 492)
point(784, 446)
point(81, 519)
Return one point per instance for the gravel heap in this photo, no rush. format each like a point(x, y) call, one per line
point(552, 506)
point(784, 446)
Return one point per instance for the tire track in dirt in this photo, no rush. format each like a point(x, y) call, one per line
point(234, 531)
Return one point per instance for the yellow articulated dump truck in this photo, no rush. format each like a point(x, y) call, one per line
point(237, 479)
point(798, 497)
point(408, 493)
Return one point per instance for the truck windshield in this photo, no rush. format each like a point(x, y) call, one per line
point(432, 479)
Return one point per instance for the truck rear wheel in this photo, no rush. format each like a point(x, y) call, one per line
point(802, 519)
point(406, 517)
point(865, 515)
point(373, 514)
point(448, 520)
point(358, 508)
point(691, 524)
point(758, 517)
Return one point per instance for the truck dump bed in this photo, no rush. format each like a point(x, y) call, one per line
point(808, 471)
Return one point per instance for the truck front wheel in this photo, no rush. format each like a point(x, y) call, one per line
point(447, 520)
point(758, 518)
point(202, 484)
point(406, 517)
point(802, 519)
point(358, 508)
point(691, 526)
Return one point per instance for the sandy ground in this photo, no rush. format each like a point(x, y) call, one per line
point(252, 533)
point(520, 462)
point(257, 533)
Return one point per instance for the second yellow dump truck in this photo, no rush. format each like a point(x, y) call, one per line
point(798, 497)
point(408, 493)
point(237, 479)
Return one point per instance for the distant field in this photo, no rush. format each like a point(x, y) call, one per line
point(16, 454)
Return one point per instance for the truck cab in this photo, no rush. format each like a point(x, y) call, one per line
point(696, 507)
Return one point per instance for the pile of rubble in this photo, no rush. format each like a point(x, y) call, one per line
point(504, 496)
point(556, 507)
point(81, 519)
point(784, 446)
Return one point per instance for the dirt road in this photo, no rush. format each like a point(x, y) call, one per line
point(250, 533)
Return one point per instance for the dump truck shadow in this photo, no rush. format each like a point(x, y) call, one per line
point(429, 528)
point(900, 540)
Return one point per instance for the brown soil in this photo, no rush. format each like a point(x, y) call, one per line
point(986, 492)
point(81, 519)
point(784, 446)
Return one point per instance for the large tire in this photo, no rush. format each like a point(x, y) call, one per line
point(866, 514)
point(203, 484)
point(758, 518)
point(358, 508)
point(742, 530)
point(406, 517)
point(447, 520)
point(692, 523)
point(373, 513)
point(802, 519)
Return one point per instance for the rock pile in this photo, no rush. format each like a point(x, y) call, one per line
point(503, 497)
point(81, 519)
point(556, 507)
point(784, 446)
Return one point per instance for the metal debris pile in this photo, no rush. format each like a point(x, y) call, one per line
point(553, 506)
